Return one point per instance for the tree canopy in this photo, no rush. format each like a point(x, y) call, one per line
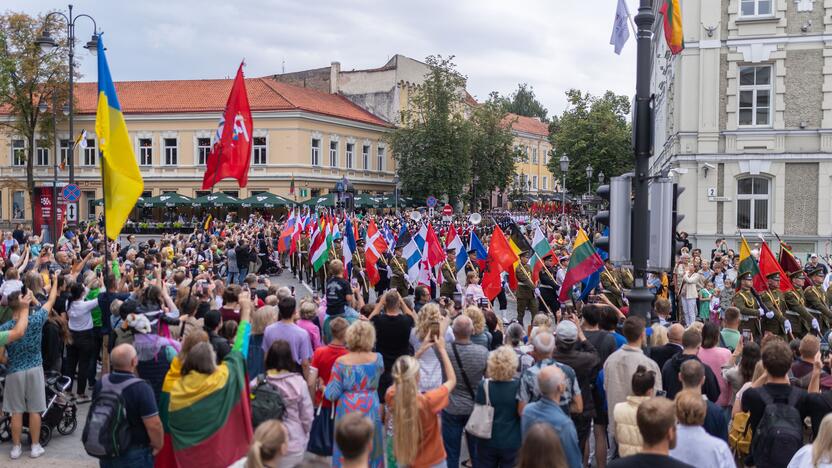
point(492, 151)
point(524, 102)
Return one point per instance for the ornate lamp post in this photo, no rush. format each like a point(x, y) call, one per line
point(564, 167)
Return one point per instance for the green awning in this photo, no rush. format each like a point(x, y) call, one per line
point(266, 200)
point(166, 200)
point(327, 200)
point(364, 200)
point(216, 199)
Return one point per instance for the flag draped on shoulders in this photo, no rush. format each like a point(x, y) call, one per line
point(123, 184)
point(583, 262)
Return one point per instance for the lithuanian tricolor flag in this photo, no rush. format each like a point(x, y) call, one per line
point(582, 263)
point(672, 12)
point(207, 418)
point(747, 263)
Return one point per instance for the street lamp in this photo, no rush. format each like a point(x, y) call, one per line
point(601, 178)
point(46, 43)
point(564, 167)
point(588, 179)
point(396, 191)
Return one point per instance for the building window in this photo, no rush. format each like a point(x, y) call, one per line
point(18, 152)
point(145, 152)
point(171, 158)
point(90, 153)
point(203, 149)
point(90, 204)
point(534, 155)
point(753, 203)
point(42, 153)
point(316, 151)
point(755, 7)
point(350, 151)
point(333, 154)
point(365, 156)
point(201, 193)
point(18, 205)
point(260, 150)
point(65, 148)
point(381, 153)
point(755, 95)
point(534, 182)
point(545, 183)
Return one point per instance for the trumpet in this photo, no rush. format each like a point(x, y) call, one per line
point(475, 218)
point(416, 216)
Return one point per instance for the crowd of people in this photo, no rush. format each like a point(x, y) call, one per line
point(190, 350)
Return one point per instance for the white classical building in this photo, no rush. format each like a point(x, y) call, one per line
point(744, 119)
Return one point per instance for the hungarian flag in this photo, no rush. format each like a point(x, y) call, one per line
point(583, 262)
point(769, 265)
point(207, 418)
point(540, 248)
point(747, 264)
point(231, 154)
point(500, 258)
point(376, 246)
point(672, 14)
point(318, 250)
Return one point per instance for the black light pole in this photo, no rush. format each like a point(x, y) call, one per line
point(564, 167)
point(396, 192)
point(588, 180)
point(640, 297)
point(47, 43)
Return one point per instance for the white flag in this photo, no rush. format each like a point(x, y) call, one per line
point(620, 30)
point(81, 141)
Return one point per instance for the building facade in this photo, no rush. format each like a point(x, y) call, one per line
point(743, 117)
point(531, 140)
point(303, 135)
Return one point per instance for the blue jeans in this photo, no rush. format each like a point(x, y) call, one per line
point(139, 457)
point(453, 426)
point(231, 276)
point(488, 457)
point(241, 276)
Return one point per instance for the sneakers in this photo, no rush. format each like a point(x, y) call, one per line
point(37, 451)
point(17, 450)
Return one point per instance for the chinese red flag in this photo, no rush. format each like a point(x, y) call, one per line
point(231, 154)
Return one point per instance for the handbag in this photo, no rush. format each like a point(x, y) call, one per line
point(321, 435)
point(482, 418)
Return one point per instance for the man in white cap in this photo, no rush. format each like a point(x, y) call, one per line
point(814, 263)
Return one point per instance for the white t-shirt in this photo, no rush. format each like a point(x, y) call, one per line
point(803, 459)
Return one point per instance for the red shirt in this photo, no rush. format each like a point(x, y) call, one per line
point(230, 314)
point(323, 359)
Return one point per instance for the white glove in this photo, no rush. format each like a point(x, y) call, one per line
point(769, 315)
point(787, 326)
point(815, 324)
point(762, 312)
point(537, 292)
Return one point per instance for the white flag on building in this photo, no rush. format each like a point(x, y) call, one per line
point(620, 30)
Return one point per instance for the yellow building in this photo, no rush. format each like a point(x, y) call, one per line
point(302, 134)
point(531, 138)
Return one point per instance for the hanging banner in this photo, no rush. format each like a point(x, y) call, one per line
point(43, 212)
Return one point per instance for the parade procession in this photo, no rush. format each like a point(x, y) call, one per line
point(542, 243)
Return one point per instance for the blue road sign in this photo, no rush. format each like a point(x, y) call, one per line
point(431, 201)
point(71, 193)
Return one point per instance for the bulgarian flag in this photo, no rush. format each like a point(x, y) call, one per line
point(747, 264)
point(207, 418)
point(672, 13)
point(583, 262)
point(540, 248)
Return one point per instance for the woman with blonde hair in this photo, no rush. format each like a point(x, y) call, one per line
point(260, 319)
point(269, 444)
point(659, 337)
point(818, 454)
point(499, 390)
point(422, 337)
point(417, 437)
point(354, 385)
point(481, 335)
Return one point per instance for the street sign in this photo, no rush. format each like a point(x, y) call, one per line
point(71, 193)
point(431, 201)
point(72, 212)
point(448, 210)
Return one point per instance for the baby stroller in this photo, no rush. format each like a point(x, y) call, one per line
point(61, 411)
point(271, 264)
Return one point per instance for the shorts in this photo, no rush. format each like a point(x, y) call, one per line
point(583, 425)
point(25, 392)
point(602, 418)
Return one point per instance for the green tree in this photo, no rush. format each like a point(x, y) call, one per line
point(29, 80)
point(433, 146)
point(524, 102)
point(493, 156)
point(592, 131)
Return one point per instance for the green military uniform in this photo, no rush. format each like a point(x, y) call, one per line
point(774, 301)
point(525, 290)
point(398, 265)
point(305, 266)
point(335, 253)
point(817, 300)
point(359, 271)
point(626, 279)
point(796, 303)
point(745, 301)
point(612, 287)
point(471, 264)
point(449, 281)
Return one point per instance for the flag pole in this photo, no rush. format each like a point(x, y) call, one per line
point(104, 215)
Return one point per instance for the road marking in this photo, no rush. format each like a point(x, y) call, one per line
point(307, 287)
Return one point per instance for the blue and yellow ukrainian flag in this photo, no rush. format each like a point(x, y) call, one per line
point(123, 184)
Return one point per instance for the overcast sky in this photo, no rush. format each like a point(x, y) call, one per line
point(553, 45)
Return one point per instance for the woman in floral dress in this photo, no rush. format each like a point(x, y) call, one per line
point(353, 386)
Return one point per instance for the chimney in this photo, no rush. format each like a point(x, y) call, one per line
point(334, 74)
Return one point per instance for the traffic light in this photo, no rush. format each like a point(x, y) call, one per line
point(617, 218)
point(660, 256)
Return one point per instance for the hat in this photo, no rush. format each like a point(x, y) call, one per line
point(566, 331)
point(744, 276)
point(450, 249)
point(360, 243)
point(524, 253)
point(472, 251)
point(548, 255)
point(813, 255)
point(563, 258)
point(794, 274)
point(773, 275)
point(337, 239)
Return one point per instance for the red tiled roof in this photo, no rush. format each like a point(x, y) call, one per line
point(524, 124)
point(264, 94)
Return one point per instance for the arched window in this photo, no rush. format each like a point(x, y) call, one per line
point(753, 195)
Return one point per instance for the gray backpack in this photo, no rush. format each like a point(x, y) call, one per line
point(107, 433)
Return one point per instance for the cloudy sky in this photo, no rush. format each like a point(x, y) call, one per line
point(553, 45)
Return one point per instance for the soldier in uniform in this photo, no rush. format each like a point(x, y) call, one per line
point(449, 281)
point(471, 264)
point(815, 299)
point(305, 266)
point(359, 271)
point(774, 304)
point(548, 286)
point(610, 284)
point(750, 309)
point(626, 279)
point(336, 252)
point(399, 266)
point(797, 315)
point(525, 288)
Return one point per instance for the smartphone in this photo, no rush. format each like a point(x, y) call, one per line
point(292, 288)
point(457, 297)
point(354, 282)
point(661, 393)
point(433, 328)
point(482, 302)
point(746, 335)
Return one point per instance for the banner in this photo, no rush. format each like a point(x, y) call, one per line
point(43, 212)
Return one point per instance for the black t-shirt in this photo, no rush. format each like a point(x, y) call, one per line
point(818, 405)
point(392, 336)
point(753, 402)
point(139, 403)
point(337, 290)
point(648, 460)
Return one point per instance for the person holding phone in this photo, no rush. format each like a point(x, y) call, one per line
point(429, 326)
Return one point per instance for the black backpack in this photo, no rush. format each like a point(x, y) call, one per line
point(266, 402)
point(780, 432)
point(107, 433)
